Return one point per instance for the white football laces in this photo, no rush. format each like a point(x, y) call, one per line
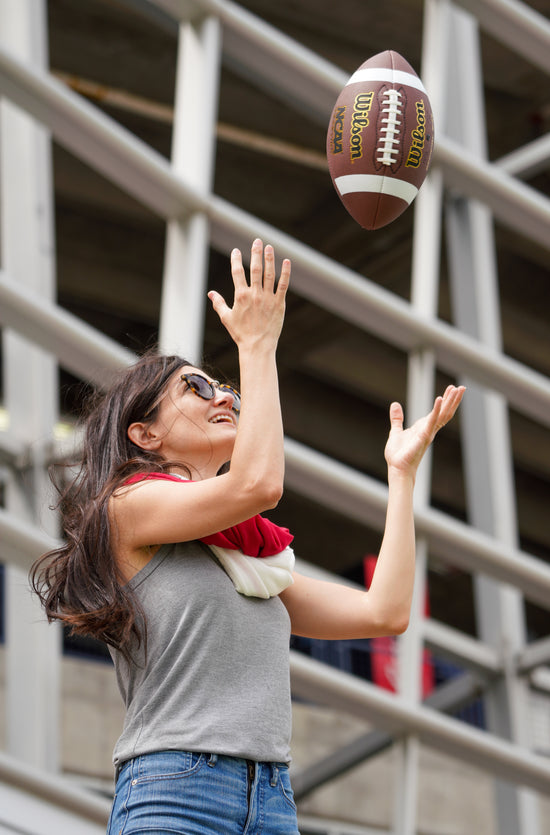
point(388, 145)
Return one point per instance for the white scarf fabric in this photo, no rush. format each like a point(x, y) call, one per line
point(257, 576)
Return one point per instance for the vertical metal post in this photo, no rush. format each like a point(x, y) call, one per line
point(193, 145)
point(486, 440)
point(27, 250)
point(420, 394)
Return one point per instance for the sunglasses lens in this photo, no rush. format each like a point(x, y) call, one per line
point(236, 397)
point(200, 385)
point(207, 390)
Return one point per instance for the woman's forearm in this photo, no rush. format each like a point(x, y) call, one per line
point(258, 455)
point(390, 593)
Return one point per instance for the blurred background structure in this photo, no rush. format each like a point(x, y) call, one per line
point(140, 140)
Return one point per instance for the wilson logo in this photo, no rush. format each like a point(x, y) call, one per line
point(359, 121)
point(418, 137)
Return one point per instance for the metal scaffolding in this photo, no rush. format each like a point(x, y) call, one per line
point(465, 192)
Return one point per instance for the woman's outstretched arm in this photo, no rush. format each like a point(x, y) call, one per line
point(161, 511)
point(328, 610)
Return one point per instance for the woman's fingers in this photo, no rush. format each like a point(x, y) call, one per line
point(256, 264)
point(262, 269)
point(396, 416)
point(284, 278)
point(237, 269)
point(269, 268)
point(451, 400)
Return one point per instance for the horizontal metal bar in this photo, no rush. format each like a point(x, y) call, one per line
point(533, 655)
point(268, 57)
point(80, 348)
point(12, 451)
point(312, 825)
point(378, 311)
point(98, 140)
point(450, 643)
point(53, 789)
point(20, 542)
point(515, 24)
point(321, 684)
point(147, 175)
point(528, 160)
point(540, 680)
point(511, 201)
point(461, 648)
point(447, 698)
point(364, 499)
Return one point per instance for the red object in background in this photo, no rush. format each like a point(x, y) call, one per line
point(383, 651)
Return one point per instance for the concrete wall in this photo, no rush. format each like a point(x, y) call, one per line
point(454, 798)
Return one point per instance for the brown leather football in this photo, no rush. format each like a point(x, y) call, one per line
point(380, 140)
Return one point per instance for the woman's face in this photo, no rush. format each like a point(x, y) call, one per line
point(198, 432)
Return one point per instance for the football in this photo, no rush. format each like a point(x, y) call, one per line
point(380, 140)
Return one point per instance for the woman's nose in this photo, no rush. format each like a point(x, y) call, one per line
point(224, 397)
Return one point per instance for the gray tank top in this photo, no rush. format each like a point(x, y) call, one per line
point(216, 675)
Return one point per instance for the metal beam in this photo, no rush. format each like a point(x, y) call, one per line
point(364, 499)
point(462, 649)
point(534, 655)
point(448, 698)
point(512, 202)
point(79, 347)
point(98, 140)
point(515, 24)
point(321, 684)
point(528, 160)
point(55, 790)
point(267, 57)
point(185, 275)
point(145, 174)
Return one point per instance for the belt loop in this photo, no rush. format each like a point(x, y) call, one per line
point(212, 760)
point(274, 775)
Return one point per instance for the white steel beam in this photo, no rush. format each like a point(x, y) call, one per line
point(488, 464)
point(30, 396)
point(515, 24)
point(97, 140)
point(534, 655)
point(463, 650)
point(528, 160)
point(187, 239)
point(146, 175)
point(322, 684)
point(325, 282)
point(420, 395)
point(512, 202)
point(371, 307)
point(267, 57)
point(21, 542)
point(364, 499)
point(35, 785)
point(449, 697)
point(79, 347)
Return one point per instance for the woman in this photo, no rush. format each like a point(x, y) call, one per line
point(201, 661)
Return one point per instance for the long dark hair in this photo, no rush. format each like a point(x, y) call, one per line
point(79, 583)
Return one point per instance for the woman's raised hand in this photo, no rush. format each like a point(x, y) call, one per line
point(256, 317)
point(405, 448)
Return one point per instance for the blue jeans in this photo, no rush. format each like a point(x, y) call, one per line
point(202, 794)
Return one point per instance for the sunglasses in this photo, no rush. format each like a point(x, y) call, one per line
point(202, 387)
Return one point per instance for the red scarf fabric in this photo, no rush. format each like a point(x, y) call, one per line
point(256, 537)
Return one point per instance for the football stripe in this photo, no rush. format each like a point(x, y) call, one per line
point(388, 75)
point(377, 184)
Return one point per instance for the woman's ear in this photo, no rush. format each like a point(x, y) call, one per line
point(143, 435)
